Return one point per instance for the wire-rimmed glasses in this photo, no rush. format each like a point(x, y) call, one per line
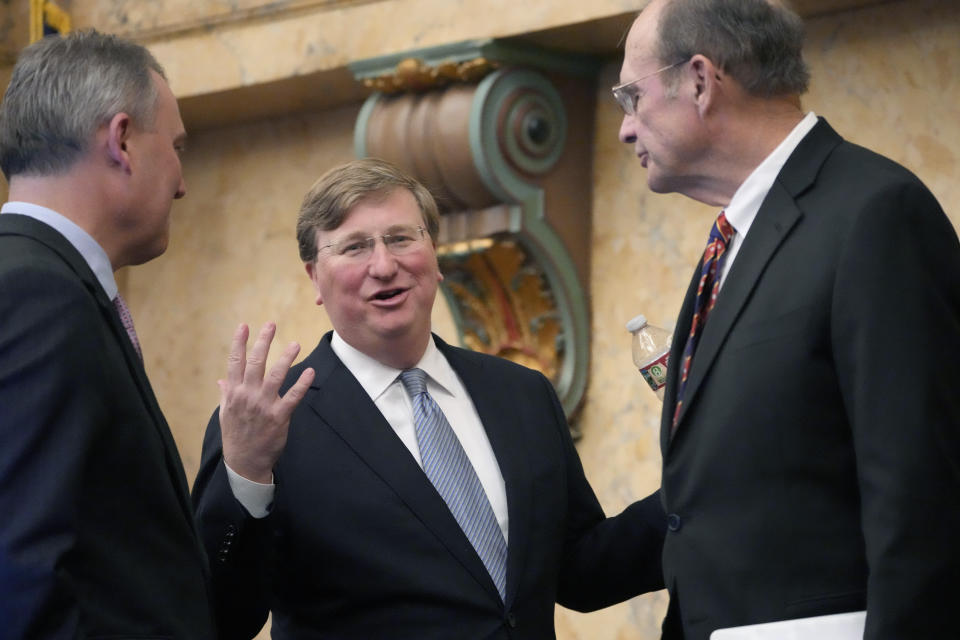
point(401, 240)
point(626, 95)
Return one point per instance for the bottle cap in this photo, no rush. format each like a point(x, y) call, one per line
point(637, 323)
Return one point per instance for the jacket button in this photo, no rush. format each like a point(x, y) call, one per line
point(673, 522)
point(511, 620)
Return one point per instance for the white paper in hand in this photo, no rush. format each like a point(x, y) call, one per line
point(841, 626)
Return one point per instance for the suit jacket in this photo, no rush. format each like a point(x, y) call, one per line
point(97, 538)
point(816, 464)
point(359, 544)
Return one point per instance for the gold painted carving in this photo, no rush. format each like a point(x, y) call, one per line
point(505, 305)
point(411, 74)
point(47, 12)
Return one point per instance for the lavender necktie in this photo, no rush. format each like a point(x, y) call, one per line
point(127, 321)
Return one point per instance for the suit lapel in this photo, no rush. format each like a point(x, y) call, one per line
point(139, 374)
point(776, 218)
point(680, 334)
point(774, 221)
point(499, 421)
point(364, 429)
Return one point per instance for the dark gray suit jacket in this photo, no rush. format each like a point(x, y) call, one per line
point(359, 544)
point(97, 537)
point(816, 464)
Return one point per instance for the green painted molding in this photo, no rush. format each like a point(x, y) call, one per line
point(544, 244)
point(502, 52)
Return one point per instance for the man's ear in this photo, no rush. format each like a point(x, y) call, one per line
point(118, 136)
point(708, 82)
point(437, 258)
point(311, 268)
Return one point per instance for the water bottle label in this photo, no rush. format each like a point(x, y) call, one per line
point(655, 373)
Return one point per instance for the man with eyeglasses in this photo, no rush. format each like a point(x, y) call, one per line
point(811, 428)
point(421, 491)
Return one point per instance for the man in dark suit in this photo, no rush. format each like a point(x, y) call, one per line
point(97, 537)
point(811, 427)
point(347, 530)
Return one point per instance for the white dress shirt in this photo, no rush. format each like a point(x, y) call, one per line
point(746, 201)
point(92, 253)
point(387, 392)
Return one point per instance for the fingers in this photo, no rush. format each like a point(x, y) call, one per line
point(254, 419)
point(257, 358)
point(237, 356)
point(295, 394)
point(278, 372)
point(247, 369)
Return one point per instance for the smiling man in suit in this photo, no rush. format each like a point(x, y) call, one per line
point(811, 427)
point(97, 537)
point(421, 490)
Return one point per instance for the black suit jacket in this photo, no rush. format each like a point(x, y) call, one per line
point(816, 464)
point(97, 538)
point(360, 545)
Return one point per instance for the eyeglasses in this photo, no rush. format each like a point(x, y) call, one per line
point(400, 241)
point(626, 95)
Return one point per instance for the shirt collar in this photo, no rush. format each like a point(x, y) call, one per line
point(92, 252)
point(746, 201)
point(376, 377)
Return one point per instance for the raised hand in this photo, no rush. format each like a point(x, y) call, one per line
point(254, 418)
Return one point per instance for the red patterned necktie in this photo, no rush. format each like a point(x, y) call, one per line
point(127, 321)
point(707, 289)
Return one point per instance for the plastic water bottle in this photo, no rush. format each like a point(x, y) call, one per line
point(651, 352)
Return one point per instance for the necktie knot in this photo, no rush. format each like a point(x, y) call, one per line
point(414, 381)
point(720, 235)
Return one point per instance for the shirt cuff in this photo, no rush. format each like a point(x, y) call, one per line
point(256, 498)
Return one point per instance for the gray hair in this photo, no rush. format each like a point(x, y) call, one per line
point(338, 191)
point(62, 90)
point(757, 42)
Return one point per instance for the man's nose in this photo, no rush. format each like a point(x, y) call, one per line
point(628, 132)
point(382, 262)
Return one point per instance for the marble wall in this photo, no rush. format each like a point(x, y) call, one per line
point(216, 45)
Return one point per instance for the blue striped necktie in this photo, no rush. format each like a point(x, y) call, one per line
point(448, 468)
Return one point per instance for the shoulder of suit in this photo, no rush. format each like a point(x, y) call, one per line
point(495, 365)
point(846, 152)
point(24, 258)
point(31, 245)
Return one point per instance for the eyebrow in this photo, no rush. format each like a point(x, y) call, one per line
point(392, 229)
point(356, 235)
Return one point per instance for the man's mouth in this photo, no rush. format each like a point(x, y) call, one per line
point(388, 294)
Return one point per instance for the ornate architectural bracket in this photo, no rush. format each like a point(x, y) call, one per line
point(489, 127)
